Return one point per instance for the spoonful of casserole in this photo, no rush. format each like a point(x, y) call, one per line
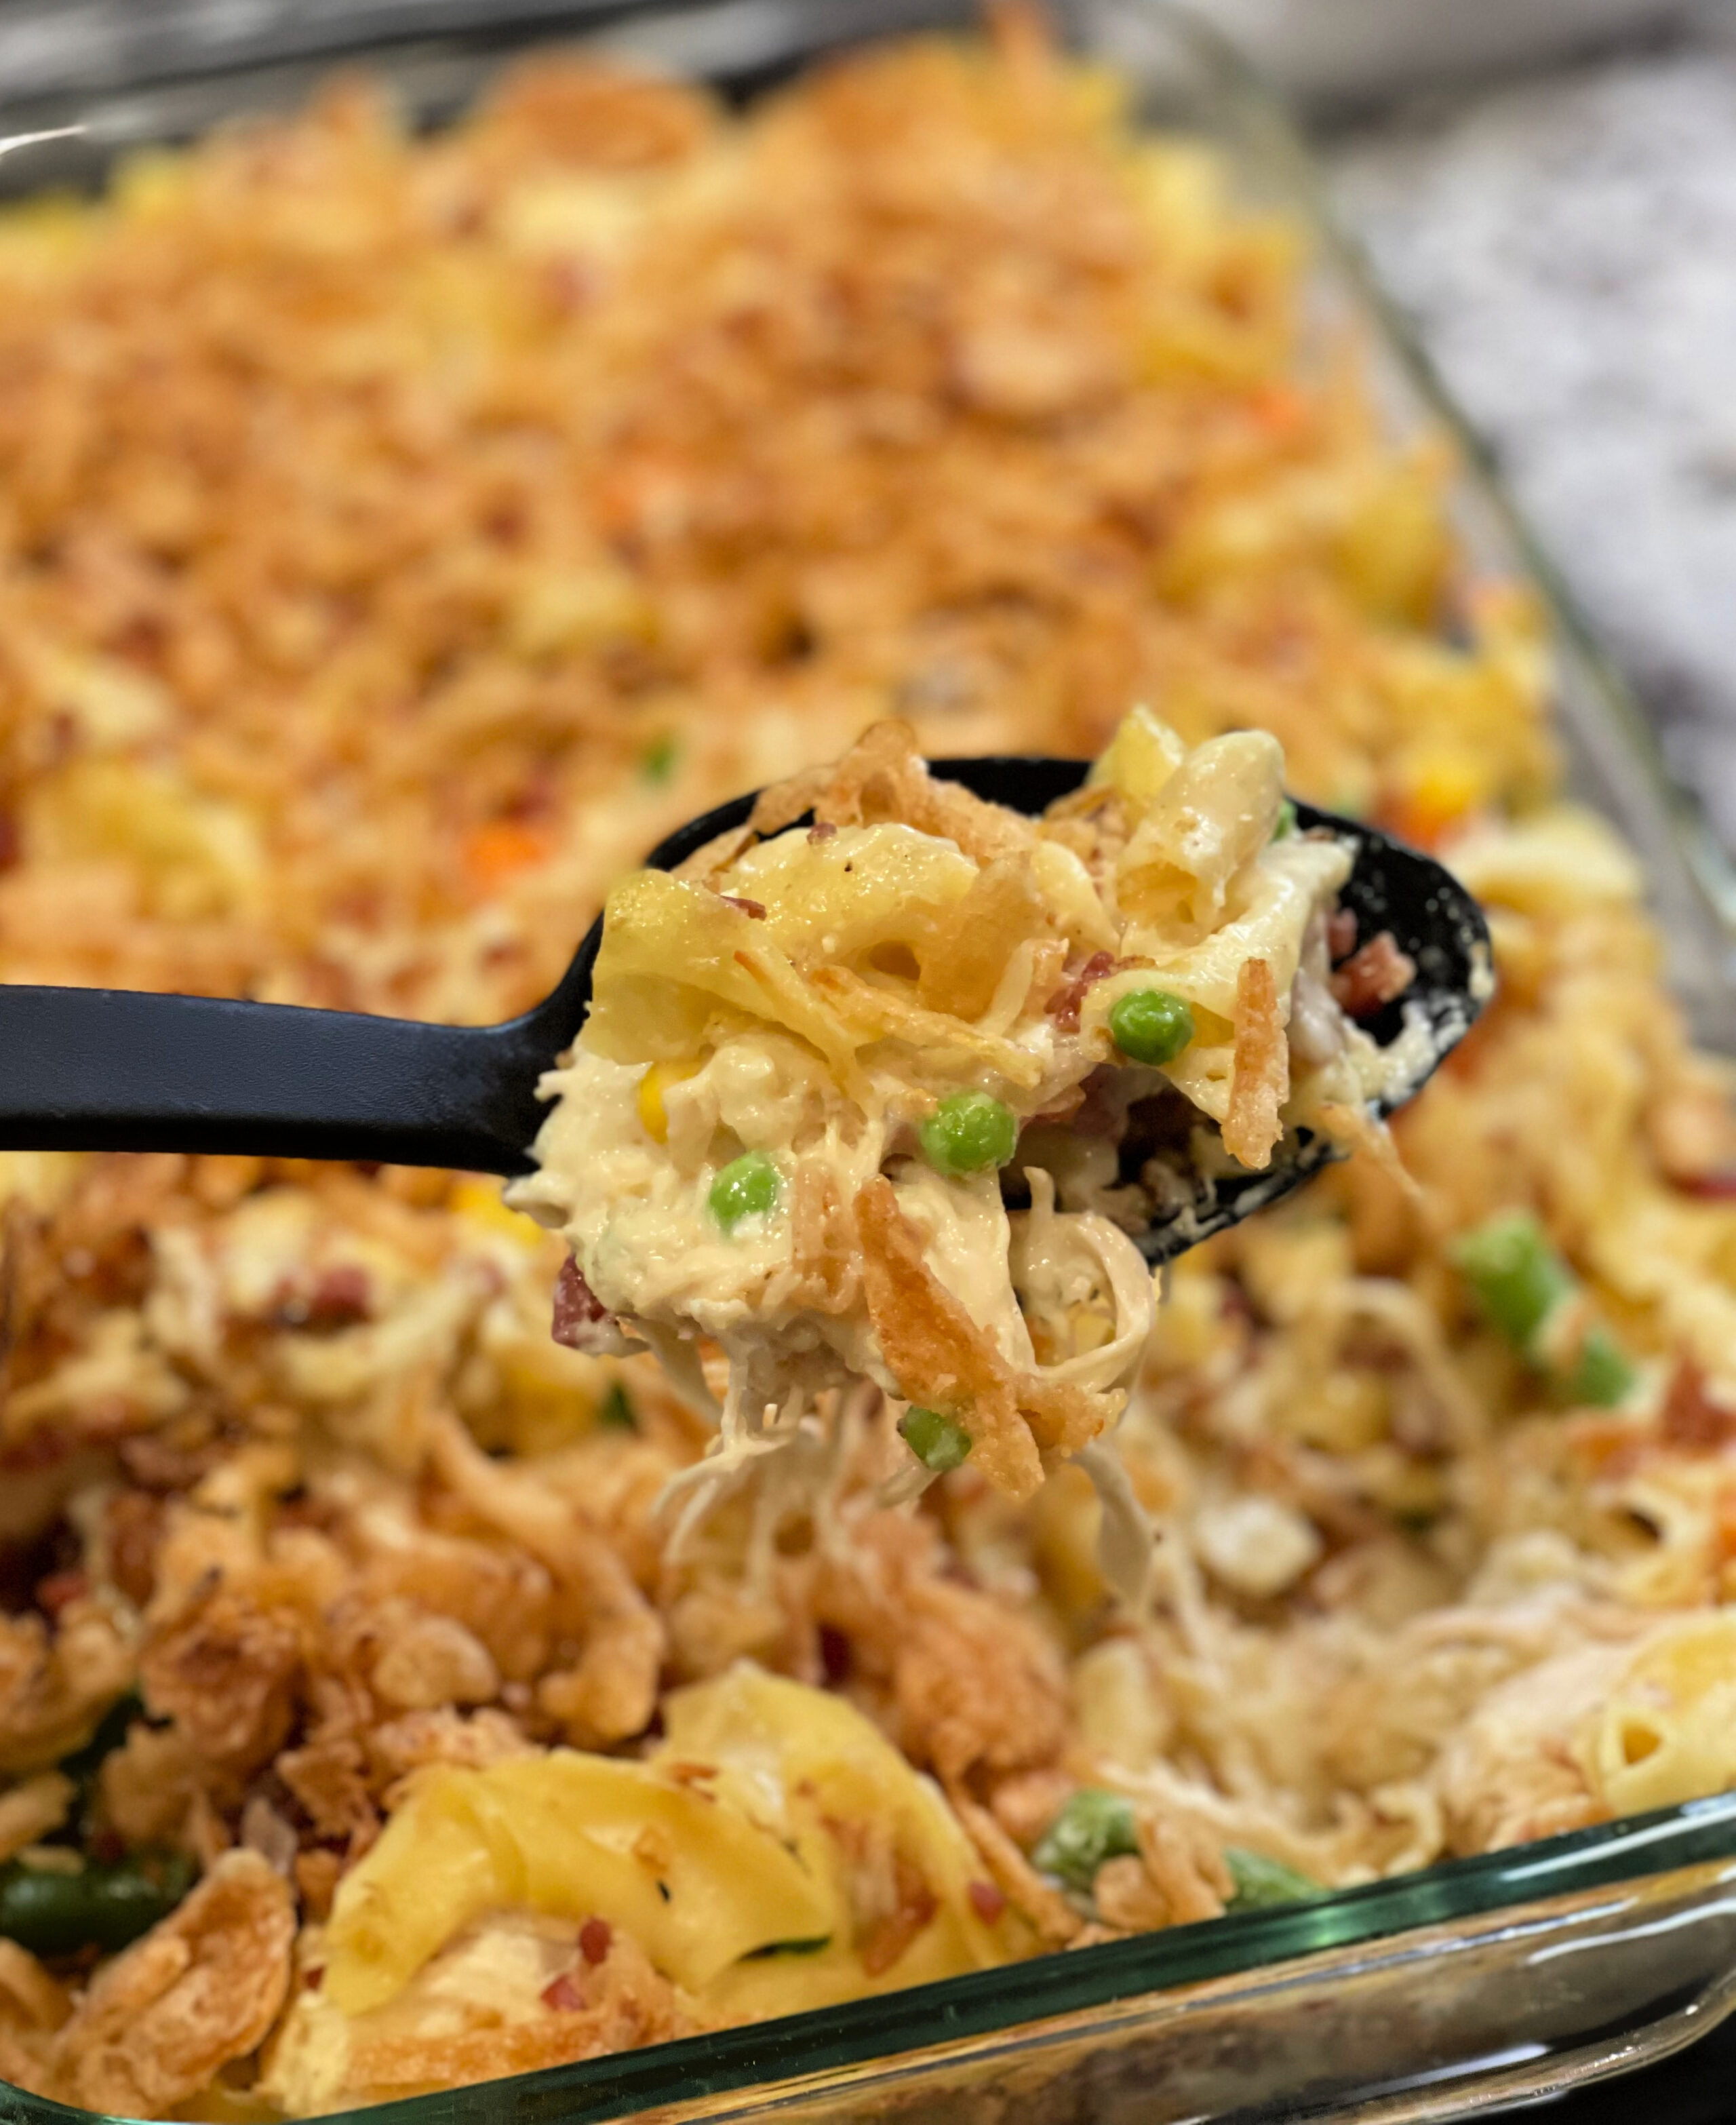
point(882, 1074)
point(886, 1079)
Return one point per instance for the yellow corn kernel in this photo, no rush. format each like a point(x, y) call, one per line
point(480, 1201)
point(652, 1085)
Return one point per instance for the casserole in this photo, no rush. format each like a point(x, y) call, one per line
point(1554, 1913)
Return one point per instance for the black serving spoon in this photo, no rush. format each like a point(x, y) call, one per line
point(121, 1070)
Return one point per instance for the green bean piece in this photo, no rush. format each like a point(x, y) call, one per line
point(747, 1187)
point(1151, 1025)
point(616, 1412)
point(53, 1913)
point(1262, 1882)
point(83, 1764)
point(1091, 1827)
point(1286, 826)
point(969, 1132)
point(936, 1441)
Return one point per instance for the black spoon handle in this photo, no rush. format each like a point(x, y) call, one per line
point(113, 1069)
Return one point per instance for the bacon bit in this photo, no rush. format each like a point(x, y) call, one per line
point(987, 1902)
point(1341, 933)
point(563, 1995)
point(595, 1938)
point(40, 1448)
point(1063, 1007)
point(836, 1659)
point(822, 830)
point(755, 910)
point(1691, 1417)
point(1373, 977)
point(342, 1297)
point(576, 1306)
point(1709, 1187)
point(60, 1589)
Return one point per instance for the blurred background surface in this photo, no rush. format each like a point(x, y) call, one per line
point(1564, 237)
point(1548, 186)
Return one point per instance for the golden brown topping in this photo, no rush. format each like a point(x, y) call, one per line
point(1261, 1083)
point(976, 1688)
point(55, 1686)
point(33, 2005)
point(202, 1987)
point(1038, 1902)
point(226, 1671)
point(937, 1354)
point(884, 776)
point(30, 1811)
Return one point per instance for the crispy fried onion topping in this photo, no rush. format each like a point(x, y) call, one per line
point(884, 776)
point(1261, 1083)
point(1088, 1293)
point(201, 1988)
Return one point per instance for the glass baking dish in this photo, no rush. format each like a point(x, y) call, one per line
point(1515, 1974)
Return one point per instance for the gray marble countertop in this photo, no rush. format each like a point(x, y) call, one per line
point(1566, 245)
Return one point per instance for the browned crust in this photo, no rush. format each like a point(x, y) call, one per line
point(201, 1988)
point(1261, 1083)
point(883, 777)
point(935, 1352)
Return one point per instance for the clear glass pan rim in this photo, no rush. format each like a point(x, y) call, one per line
point(1023, 1996)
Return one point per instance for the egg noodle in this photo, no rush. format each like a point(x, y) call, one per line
point(399, 533)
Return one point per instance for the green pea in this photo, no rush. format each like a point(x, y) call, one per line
point(616, 1412)
point(1286, 826)
point(969, 1132)
point(936, 1441)
point(1262, 1882)
point(1517, 1276)
point(657, 762)
point(54, 1913)
point(1151, 1025)
point(1520, 1281)
point(1091, 1827)
point(747, 1187)
point(1602, 1374)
